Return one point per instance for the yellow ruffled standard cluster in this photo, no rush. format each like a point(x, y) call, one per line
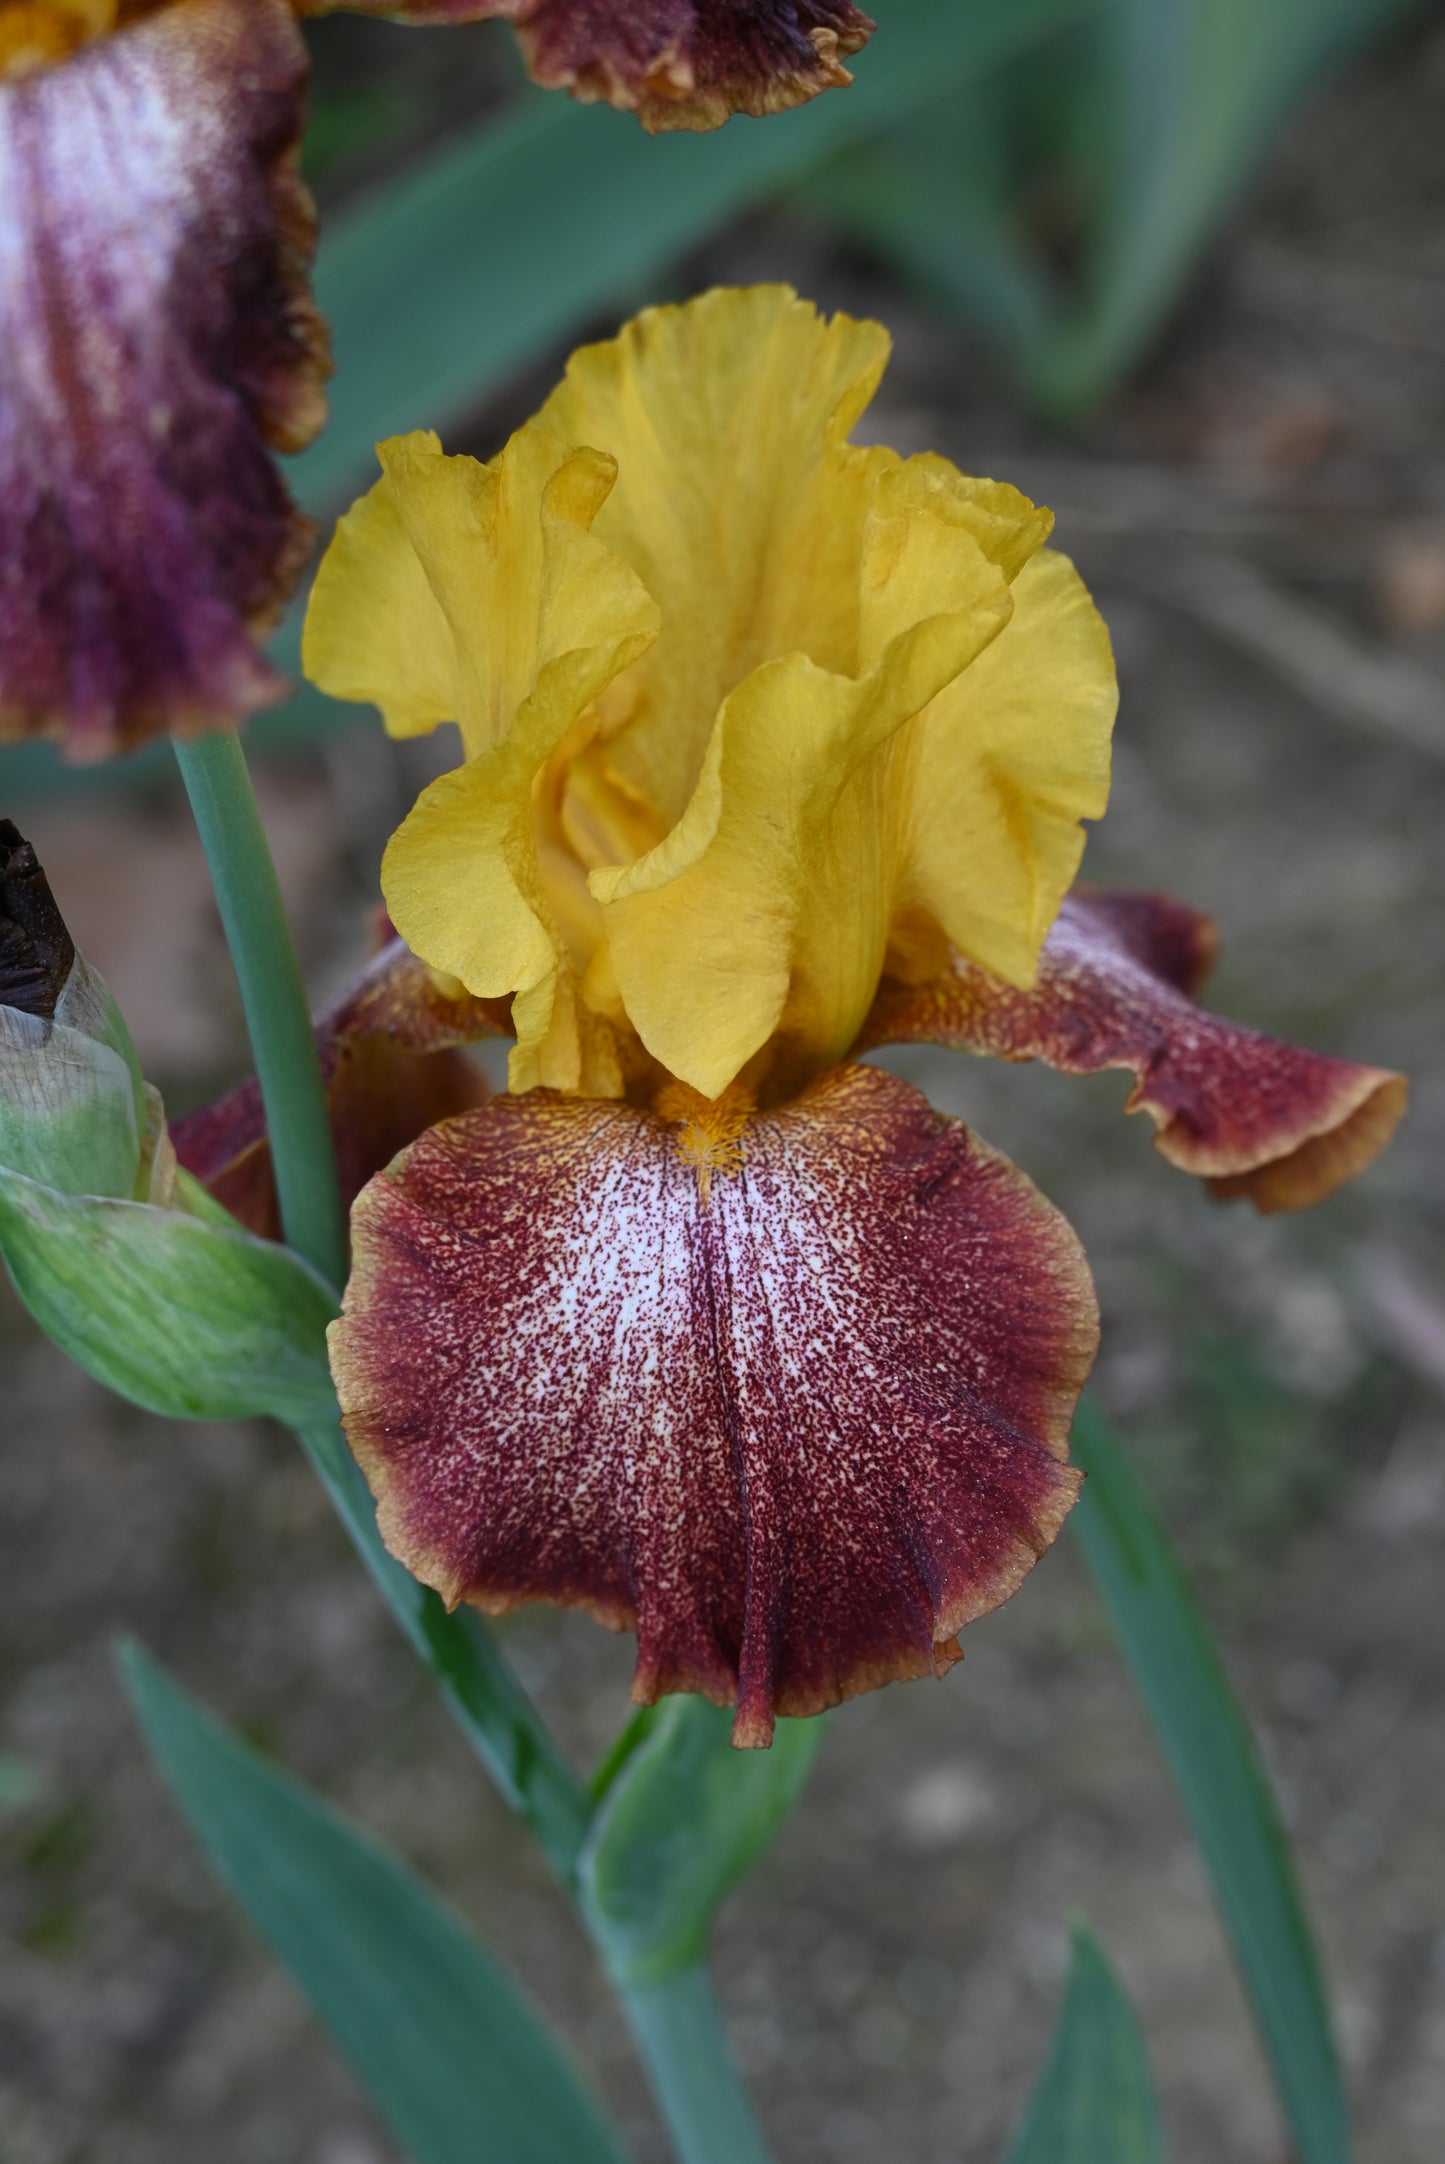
point(749, 713)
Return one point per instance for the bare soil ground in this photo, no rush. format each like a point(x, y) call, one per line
point(892, 1969)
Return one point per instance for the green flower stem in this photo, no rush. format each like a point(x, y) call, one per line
point(213, 768)
point(679, 2033)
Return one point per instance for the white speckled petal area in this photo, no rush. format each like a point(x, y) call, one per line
point(156, 337)
point(797, 1421)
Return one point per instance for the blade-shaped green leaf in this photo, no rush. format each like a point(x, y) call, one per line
point(1211, 1755)
point(179, 1313)
point(682, 1817)
point(937, 196)
point(1195, 91)
point(456, 2061)
point(1094, 2103)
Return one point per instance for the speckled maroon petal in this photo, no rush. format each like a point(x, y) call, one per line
point(792, 1398)
point(388, 1053)
point(1250, 1114)
point(156, 335)
point(690, 63)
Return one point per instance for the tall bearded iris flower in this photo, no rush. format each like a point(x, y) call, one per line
point(158, 340)
point(776, 748)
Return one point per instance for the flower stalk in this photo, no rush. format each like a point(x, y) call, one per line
point(253, 915)
point(679, 2032)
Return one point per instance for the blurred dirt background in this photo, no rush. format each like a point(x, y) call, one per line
point(1263, 519)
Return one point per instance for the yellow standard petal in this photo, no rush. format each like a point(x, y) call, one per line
point(767, 910)
point(451, 588)
point(1011, 757)
point(738, 503)
point(821, 834)
point(753, 714)
point(457, 591)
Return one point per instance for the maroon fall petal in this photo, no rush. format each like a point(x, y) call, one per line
point(789, 1393)
point(158, 336)
point(1252, 1115)
point(388, 1055)
point(690, 63)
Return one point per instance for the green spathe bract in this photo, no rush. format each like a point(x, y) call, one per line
point(184, 1314)
point(682, 1818)
point(72, 1101)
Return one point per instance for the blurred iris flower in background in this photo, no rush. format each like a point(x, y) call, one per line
point(158, 338)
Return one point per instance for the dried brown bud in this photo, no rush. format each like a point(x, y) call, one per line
point(36, 950)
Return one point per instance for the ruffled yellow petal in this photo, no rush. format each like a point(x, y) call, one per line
point(767, 910)
point(478, 881)
point(452, 588)
point(457, 591)
point(1010, 758)
point(868, 728)
point(738, 503)
point(467, 888)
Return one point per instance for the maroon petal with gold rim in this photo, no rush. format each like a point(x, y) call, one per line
point(388, 1052)
point(789, 1393)
point(690, 63)
point(1250, 1114)
point(158, 336)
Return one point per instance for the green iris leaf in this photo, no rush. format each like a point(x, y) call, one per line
point(456, 2061)
point(1210, 1753)
point(1094, 2103)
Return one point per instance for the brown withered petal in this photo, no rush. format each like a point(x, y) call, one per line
point(158, 336)
point(36, 949)
point(388, 1054)
point(690, 63)
point(1250, 1114)
point(787, 1392)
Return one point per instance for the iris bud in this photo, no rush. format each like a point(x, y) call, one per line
point(125, 1262)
